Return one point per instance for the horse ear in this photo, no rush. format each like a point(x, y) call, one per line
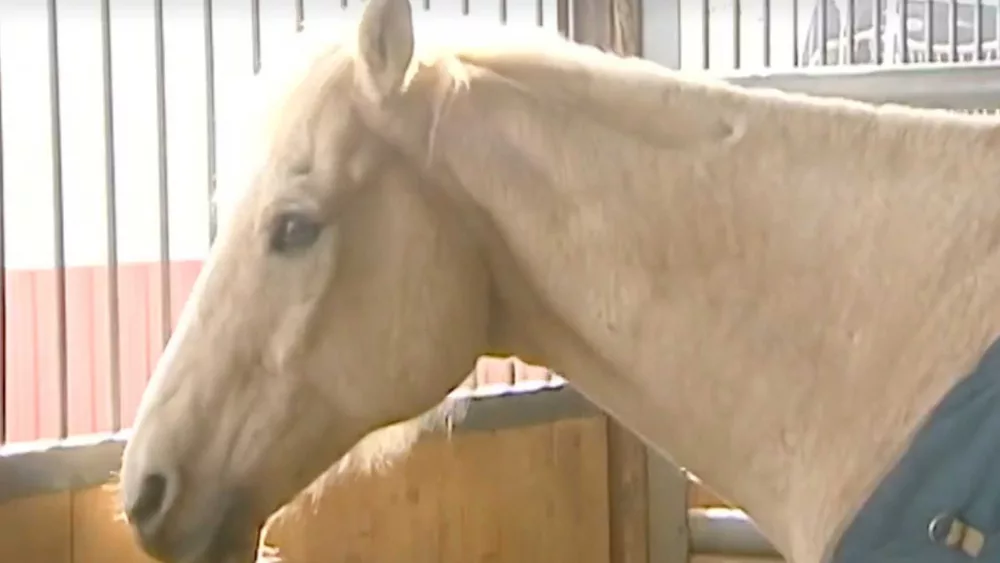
point(385, 46)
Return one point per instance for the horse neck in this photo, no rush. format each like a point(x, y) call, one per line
point(769, 280)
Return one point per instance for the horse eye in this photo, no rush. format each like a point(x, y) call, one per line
point(293, 231)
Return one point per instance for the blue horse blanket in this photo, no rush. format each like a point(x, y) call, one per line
point(941, 501)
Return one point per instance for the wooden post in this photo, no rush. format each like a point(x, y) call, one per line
point(669, 490)
point(628, 496)
point(612, 25)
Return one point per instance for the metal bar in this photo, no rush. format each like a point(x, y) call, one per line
point(877, 31)
point(737, 29)
point(300, 14)
point(427, 5)
point(851, 31)
point(929, 29)
point(255, 33)
point(3, 289)
point(210, 123)
point(503, 11)
point(562, 17)
point(904, 30)
point(35, 468)
point(55, 116)
point(795, 33)
point(706, 32)
point(959, 86)
point(465, 7)
point(977, 29)
point(767, 33)
point(953, 30)
point(539, 13)
point(111, 199)
point(161, 161)
point(823, 21)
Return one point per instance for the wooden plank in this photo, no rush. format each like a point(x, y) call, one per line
point(98, 535)
point(85, 462)
point(628, 510)
point(668, 507)
point(530, 494)
point(36, 530)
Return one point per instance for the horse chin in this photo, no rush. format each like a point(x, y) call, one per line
point(236, 538)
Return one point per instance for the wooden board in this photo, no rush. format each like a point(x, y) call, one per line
point(36, 530)
point(537, 494)
point(528, 494)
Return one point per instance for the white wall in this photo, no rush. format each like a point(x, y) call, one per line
point(26, 124)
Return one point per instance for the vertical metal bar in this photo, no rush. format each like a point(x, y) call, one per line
point(953, 30)
point(929, 29)
point(823, 39)
point(110, 198)
point(795, 33)
point(255, 33)
point(767, 33)
point(300, 14)
point(3, 289)
point(503, 12)
point(465, 7)
point(562, 17)
point(851, 31)
point(209, 32)
point(161, 161)
point(539, 13)
point(706, 33)
point(343, 4)
point(977, 29)
point(55, 119)
point(877, 31)
point(904, 30)
point(737, 39)
point(427, 5)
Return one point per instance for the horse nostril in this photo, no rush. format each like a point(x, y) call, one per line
point(150, 501)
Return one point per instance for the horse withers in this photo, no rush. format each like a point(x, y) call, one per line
point(782, 293)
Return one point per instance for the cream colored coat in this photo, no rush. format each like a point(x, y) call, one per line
point(773, 290)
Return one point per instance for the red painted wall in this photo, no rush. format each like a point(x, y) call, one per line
point(32, 390)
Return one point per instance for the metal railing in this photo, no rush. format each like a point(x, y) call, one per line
point(740, 34)
point(60, 23)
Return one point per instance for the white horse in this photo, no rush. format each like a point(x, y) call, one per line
point(784, 294)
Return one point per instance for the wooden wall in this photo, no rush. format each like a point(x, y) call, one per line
point(529, 494)
point(554, 493)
